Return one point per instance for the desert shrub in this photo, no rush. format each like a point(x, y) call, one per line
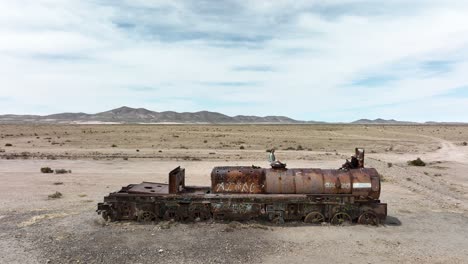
point(2, 150)
point(191, 158)
point(241, 147)
point(125, 158)
point(62, 171)
point(58, 183)
point(417, 162)
point(114, 145)
point(205, 141)
point(137, 150)
point(465, 144)
point(389, 164)
point(290, 148)
point(55, 195)
point(299, 148)
point(8, 145)
point(47, 170)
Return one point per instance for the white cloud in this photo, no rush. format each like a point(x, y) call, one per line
point(85, 56)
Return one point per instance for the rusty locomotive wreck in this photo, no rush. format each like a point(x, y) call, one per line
point(346, 195)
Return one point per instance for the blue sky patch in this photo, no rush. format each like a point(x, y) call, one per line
point(59, 57)
point(438, 66)
point(374, 81)
point(458, 92)
point(142, 89)
point(231, 84)
point(254, 68)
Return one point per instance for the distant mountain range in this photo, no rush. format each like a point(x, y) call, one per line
point(128, 115)
point(381, 121)
point(141, 115)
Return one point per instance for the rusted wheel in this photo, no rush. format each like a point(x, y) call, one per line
point(171, 214)
point(278, 220)
point(314, 218)
point(199, 215)
point(110, 215)
point(341, 219)
point(368, 218)
point(146, 216)
point(105, 215)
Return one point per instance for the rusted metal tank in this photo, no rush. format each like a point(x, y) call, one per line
point(348, 194)
point(358, 182)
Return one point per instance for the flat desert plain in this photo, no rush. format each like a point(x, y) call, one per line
point(427, 206)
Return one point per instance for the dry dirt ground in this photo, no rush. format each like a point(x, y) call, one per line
point(427, 206)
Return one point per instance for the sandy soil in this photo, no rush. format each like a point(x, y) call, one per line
point(427, 206)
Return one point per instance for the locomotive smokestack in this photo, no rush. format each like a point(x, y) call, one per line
point(360, 157)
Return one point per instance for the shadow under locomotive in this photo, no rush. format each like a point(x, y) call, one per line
point(338, 196)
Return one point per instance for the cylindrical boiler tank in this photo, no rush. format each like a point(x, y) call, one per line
point(362, 182)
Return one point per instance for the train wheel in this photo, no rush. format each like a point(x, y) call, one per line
point(146, 216)
point(368, 218)
point(205, 216)
point(314, 218)
point(199, 215)
point(341, 219)
point(105, 215)
point(171, 215)
point(278, 220)
point(111, 216)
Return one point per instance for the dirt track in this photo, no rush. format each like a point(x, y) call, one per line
point(428, 206)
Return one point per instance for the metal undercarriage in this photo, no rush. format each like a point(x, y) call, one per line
point(152, 202)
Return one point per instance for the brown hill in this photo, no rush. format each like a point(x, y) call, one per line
point(141, 115)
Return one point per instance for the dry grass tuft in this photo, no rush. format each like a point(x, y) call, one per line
point(417, 162)
point(62, 171)
point(55, 195)
point(47, 170)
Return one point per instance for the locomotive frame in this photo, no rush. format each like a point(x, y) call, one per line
point(272, 198)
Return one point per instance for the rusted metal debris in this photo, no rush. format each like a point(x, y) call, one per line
point(348, 194)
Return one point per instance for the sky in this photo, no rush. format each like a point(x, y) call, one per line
point(336, 60)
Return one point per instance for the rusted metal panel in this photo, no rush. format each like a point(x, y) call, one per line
point(279, 181)
point(148, 188)
point(362, 184)
point(308, 181)
point(329, 182)
point(237, 180)
point(176, 180)
point(296, 181)
point(237, 211)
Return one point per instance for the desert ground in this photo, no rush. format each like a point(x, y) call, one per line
point(427, 206)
